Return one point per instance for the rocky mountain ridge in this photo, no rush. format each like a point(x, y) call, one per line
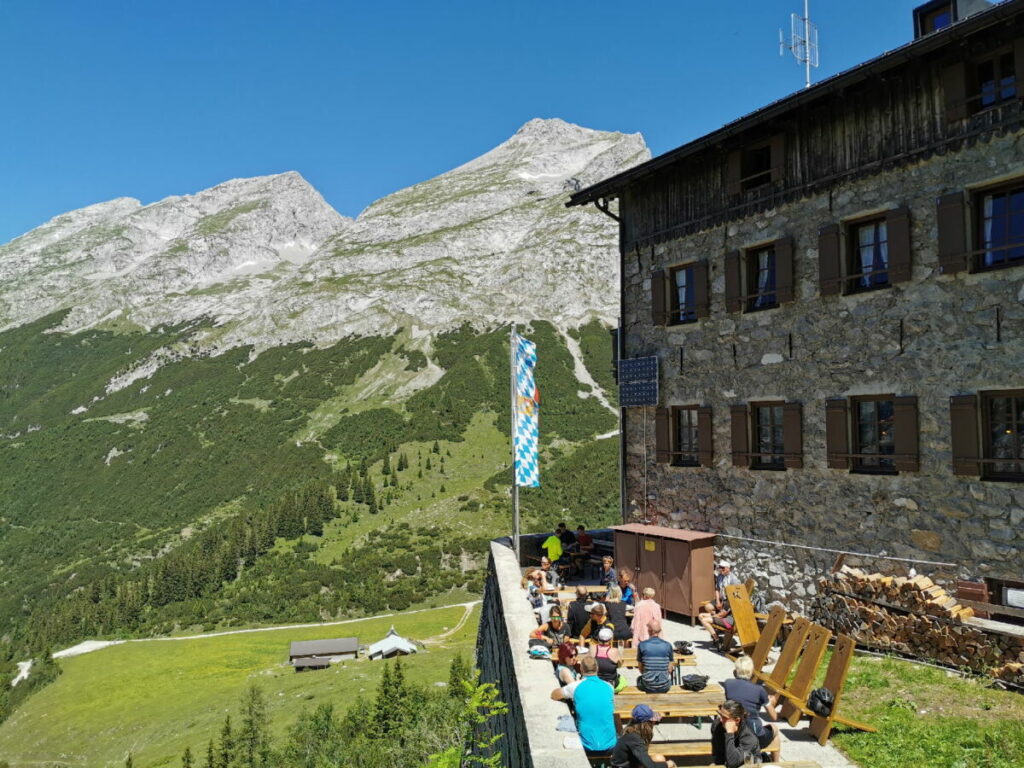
point(272, 262)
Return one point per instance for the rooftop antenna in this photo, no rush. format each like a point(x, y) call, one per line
point(803, 42)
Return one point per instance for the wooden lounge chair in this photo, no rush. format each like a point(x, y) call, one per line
point(759, 653)
point(797, 691)
point(835, 679)
point(787, 657)
point(744, 622)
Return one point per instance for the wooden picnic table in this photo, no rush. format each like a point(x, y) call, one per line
point(629, 659)
point(672, 706)
point(592, 589)
point(632, 690)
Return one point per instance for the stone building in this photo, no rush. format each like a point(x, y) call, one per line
point(833, 287)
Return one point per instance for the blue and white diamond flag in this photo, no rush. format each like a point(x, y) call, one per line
point(527, 416)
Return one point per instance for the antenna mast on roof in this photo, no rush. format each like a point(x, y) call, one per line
point(803, 42)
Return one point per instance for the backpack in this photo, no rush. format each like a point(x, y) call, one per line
point(821, 701)
point(540, 652)
point(695, 682)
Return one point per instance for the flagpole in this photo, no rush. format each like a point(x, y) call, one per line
point(515, 487)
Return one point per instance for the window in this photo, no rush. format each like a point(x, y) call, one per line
point(874, 435)
point(1000, 232)
point(767, 431)
point(868, 250)
point(995, 81)
point(1003, 415)
point(684, 295)
point(686, 451)
point(932, 19)
point(761, 279)
point(755, 167)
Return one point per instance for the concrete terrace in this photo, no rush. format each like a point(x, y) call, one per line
point(531, 738)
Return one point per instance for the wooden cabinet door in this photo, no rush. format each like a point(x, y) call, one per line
point(675, 594)
point(652, 563)
point(626, 550)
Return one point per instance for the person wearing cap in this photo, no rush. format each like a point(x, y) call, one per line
point(718, 610)
point(615, 607)
point(553, 632)
point(608, 658)
point(594, 702)
point(632, 748)
point(598, 619)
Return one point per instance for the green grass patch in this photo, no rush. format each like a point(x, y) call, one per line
point(211, 225)
point(154, 698)
point(929, 718)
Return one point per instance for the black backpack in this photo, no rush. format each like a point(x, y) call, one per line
point(821, 701)
point(694, 682)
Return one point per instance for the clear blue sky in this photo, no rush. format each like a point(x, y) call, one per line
point(102, 99)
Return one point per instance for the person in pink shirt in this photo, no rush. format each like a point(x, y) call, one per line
point(644, 613)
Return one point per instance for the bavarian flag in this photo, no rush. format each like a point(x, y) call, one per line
point(527, 414)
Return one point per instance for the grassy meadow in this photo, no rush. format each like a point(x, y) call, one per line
point(153, 698)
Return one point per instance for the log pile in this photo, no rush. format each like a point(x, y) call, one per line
point(915, 616)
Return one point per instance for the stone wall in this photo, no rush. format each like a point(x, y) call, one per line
point(932, 337)
point(506, 620)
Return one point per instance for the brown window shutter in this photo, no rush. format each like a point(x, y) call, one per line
point(784, 289)
point(740, 443)
point(952, 233)
point(904, 423)
point(662, 446)
point(700, 289)
point(963, 423)
point(897, 227)
point(733, 302)
point(954, 89)
point(658, 314)
point(705, 436)
point(792, 436)
point(837, 444)
point(830, 274)
point(778, 153)
point(732, 173)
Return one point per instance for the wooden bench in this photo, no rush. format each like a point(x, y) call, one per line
point(743, 619)
point(759, 653)
point(788, 656)
point(835, 680)
point(632, 690)
point(674, 749)
point(797, 690)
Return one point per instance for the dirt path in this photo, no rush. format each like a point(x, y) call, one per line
point(457, 627)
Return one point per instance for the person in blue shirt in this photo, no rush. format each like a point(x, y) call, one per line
point(625, 579)
point(655, 657)
point(594, 702)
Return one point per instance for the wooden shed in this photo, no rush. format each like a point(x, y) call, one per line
point(679, 564)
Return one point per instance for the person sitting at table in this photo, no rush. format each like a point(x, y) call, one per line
point(607, 571)
point(625, 579)
point(553, 632)
point(616, 610)
point(551, 577)
point(655, 657)
point(645, 611)
point(568, 537)
point(631, 750)
point(584, 546)
point(594, 704)
point(732, 740)
point(608, 658)
point(552, 546)
point(579, 613)
point(598, 619)
point(567, 669)
point(535, 586)
point(754, 698)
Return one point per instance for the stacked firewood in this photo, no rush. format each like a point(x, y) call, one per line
point(915, 616)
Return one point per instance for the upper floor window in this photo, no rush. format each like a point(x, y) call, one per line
point(975, 85)
point(874, 440)
point(756, 167)
point(1003, 414)
point(933, 17)
point(683, 295)
point(761, 279)
point(686, 430)
point(1000, 233)
point(767, 435)
point(680, 295)
point(995, 80)
point(869, 255)
point(767, 431)
point(876, 434)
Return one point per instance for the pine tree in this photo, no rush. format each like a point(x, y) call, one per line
point(226, 753)
point(186, 758)
point(442, 489)
point(386, 468)
point(371, 497)
point(419, 474)
point(364, 467)
point(394, 480)
point(211, 756)
point(252, 748)
point(436, 448)
point(428, 464)
point(458, 674)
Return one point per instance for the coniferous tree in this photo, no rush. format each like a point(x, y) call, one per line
point(186, 758)
point(427, 466)
point(252, 747)
point(226, 751)
point(386, 468)
point(211, 756)
point(436, 448)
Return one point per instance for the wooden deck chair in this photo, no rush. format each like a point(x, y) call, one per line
point(759, 653)
point(744, 624)
point(797, 691)
point(790, 651)
point(835, 679)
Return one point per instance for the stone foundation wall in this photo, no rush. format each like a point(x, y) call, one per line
point(932, 337)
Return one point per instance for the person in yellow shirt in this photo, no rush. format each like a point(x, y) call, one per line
point(553, 546)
